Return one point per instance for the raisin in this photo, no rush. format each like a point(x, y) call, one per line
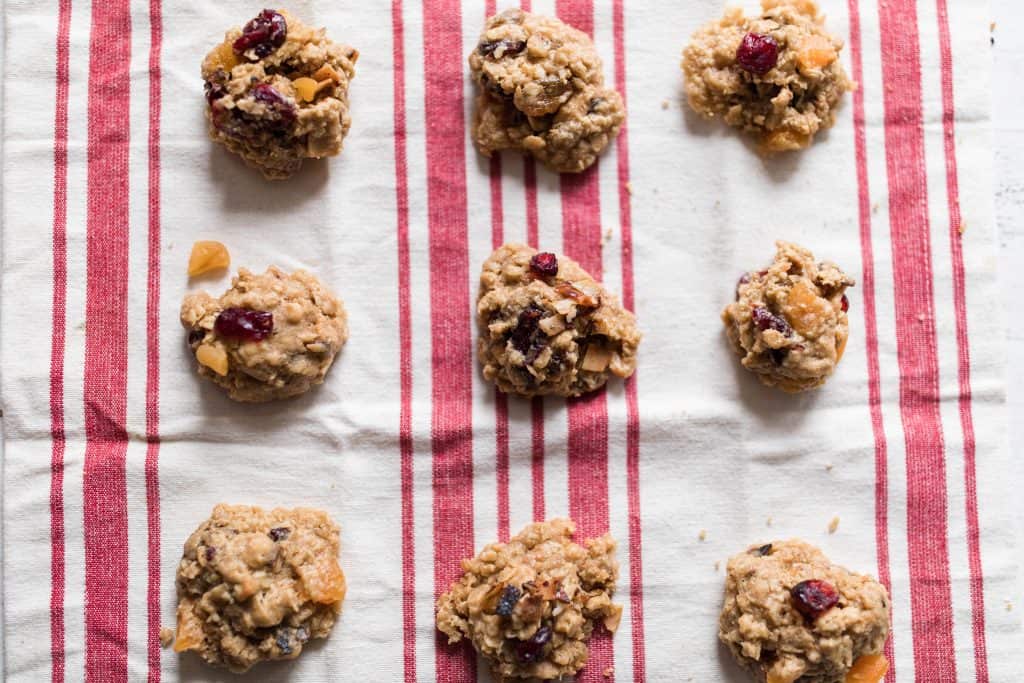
point(284, 643)
point(595, 102)
point(766, 320)
point(279, 533)
point(532, 650)
point(214, 91)
point(501, 48)
point(525, 332)
point(765, 549)
point(758, 53)
point(544, 264)
point(507, 602)
point(813, 598)
point(243, 324)
point(195, 336)
point(263, 34)
point(778, 356)
point(210, 553)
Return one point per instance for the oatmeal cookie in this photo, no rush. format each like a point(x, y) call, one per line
point(256, 585)
point(547, 327)
point(789, 321)
point(277, 93)
point(542, 91)
point(530, 605)
point(791, 615)
point(776, 75)
point(270, 336)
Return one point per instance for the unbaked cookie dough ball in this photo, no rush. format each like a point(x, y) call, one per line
point(791, 615)
point(529, 606)
point(547, 327)
point(789, 322)
point(277, 93)
point(776, 75)
point(270, 336)
point(542, 91)
point(256, 585)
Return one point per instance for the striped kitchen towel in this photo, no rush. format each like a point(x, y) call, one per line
point(115, 450)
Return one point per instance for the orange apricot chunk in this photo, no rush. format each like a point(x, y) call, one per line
point(323, 580)
point(868, 669)
point(207, 255)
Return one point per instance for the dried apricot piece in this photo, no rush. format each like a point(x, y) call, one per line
point(305, 87)
point(323, 580)
point(207, 255)
point(814, 53)
point(805, 310)
point(868, 669)
point(213, 357)
point(188, 635)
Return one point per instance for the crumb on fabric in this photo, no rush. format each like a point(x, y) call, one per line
point(833, 525)
point(166, 636)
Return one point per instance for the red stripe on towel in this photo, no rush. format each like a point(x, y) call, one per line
point(152, 471)
point(927, 534)
point(405, 348)
point(588, 415)
point(105, 510)
point(451, 335)
point(636, 575)
point(57, 338)
point(963, 349)
point(867, 287)
point(500, 400)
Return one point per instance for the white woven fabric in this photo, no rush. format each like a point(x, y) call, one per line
point(92, 533)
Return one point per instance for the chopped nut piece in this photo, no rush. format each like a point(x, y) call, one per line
point(207, 255)
point(213, 357)
point(597, 359)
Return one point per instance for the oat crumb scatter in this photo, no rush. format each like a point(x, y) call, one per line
point(542, 92)
point(529, 606)
point(776, 75)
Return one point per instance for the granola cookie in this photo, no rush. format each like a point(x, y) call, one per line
point(277, 93)
point(547, 327)
point(270, 336)
point(530, 605)
point(542, 91)
point(256, 585)
point(789, 321)
point(791, 615)
point(776, 75)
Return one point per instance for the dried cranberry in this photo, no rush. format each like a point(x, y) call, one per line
point(744, 279)
point(241, 323)
point(526, 328)
point(844, 303)
point(757, 53)
point(264, 34)
point(282, 112)
point(501, 48)
point(544, 264)
point(532, 650)
point(507, 602)
point(766, 320)
point(279, 533)
point(813, 598)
